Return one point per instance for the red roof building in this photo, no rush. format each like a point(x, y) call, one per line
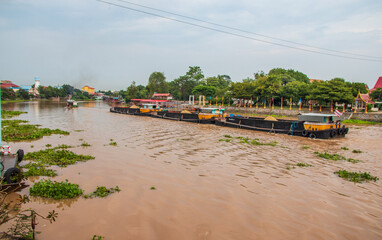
point(378, 84)
point(9, 85)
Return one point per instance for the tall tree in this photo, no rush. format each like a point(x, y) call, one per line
point(157, 83)
point(182, 86)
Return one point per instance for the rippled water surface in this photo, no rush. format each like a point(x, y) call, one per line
point(205, 188)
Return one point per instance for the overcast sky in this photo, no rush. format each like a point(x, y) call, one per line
point(86, 42)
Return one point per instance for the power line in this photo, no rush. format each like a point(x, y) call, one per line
point(235, 34)
point(245, 31)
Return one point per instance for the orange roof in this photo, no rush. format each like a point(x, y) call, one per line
point(366, 98)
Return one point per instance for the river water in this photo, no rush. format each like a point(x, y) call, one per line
point(204, 188)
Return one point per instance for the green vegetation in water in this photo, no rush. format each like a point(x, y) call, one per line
point(57, 156)
point(336, 157)
point(352, 160)
point(305, 147)
point(81, 139)
point(48, 145)
point(85, 144)
point(97, 237)
point(55, 190)
point(356, 121)
point(39, 171)
point(13, 101)
point(16, 130)
point(345, 148)
point(102, 192)
point(357, 151)
point(289, 166)
point(113, 143)
point(301, 164)
point(224, 140)
point(152, 188)
point(184, 139)
point(9, 114)
point(356, 177)
point(248, 140)
point(32, 146)
point(79, 130)
point(227, 136)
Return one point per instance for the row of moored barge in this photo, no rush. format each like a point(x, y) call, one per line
point(312, 125)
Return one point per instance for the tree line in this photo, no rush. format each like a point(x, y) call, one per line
point(269, 87)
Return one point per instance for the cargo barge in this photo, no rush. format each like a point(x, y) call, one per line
point(312, 125)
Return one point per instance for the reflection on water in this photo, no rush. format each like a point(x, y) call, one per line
point(205, 189)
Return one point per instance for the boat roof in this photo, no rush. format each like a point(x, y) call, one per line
point(318, 114)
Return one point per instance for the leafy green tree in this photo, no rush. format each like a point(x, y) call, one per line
point(376, 95)
point(295, 90)
point(204, 90)
point(22, 94)
point(268, 86)
point(244, 89)
point(293, 75)
point(358, 87)
point(182, 87)
point(157, 83)
point(7, 94)
point(335, 89)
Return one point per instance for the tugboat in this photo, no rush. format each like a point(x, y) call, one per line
point(312, 125)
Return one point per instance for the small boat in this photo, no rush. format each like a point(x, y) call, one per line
point(71, 103)
point(312, 125)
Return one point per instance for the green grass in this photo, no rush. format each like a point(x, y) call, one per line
point(345, 148)
point(356, 177)
point(12, 101)
point(9, 114)
point(301, 164)
point(17, 130)
point(357, 151)
point(362, 122)
point(56, 156)
point(55, 190)
point(102, 192)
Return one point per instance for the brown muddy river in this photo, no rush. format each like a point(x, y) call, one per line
point(205, 188)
